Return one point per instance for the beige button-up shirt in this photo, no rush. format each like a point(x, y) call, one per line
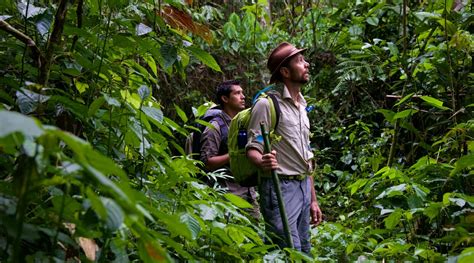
point(293, 149)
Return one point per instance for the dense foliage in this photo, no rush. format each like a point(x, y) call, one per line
point(97, 97)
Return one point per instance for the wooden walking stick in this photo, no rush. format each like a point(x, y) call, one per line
point(276, 185)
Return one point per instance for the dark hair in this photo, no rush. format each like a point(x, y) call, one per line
point(286, 64)
point(224, 89)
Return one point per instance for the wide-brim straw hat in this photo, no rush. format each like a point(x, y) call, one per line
point(279, 56)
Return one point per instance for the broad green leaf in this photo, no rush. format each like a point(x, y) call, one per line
point(153, 113)
point(404, 114)
point(28, 100)
point(151, 63)
point(423, 162)
point(458, 201)
point(192, 224)
point(169, 54)
point(15, 122)
point(150, 250)
point(446, 197)
point(67, 206)
point(5, 17)
point(75, 107)
point(173, 224)
point(465, 162)
point(434, 102)
point(96, 204)
point(143, 92)
point(95, 106)
point(466, 256)
point(115, 215)
point(205, 57)
point(374, 21)
point(202, 109)
point(43, 24)
point(388, 114)
point(357, 185)
point(181, 113)
point(350, 248)
point(142, 29)
point(449, 26)
point(393, 219)
point(393, 191)
point(111, 101)
point(409, 96)
point(237, 201)
point(80, 86)
point(28, 10)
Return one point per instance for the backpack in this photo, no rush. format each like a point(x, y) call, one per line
point(193, 140)
point(243, 170)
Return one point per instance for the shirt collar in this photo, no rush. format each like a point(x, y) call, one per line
point(286, 95)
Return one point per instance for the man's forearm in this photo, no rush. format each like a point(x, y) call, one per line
point(313, 191)
point(216, 162)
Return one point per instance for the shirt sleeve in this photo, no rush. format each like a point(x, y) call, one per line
point(210, 142)
point(260, 113)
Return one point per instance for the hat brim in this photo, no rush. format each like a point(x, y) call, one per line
point(277, 70)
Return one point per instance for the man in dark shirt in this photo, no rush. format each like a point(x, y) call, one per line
point(214, 151)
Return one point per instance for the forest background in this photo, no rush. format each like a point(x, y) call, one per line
point(97, 97)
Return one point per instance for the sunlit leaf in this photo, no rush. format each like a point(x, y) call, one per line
point(15, 122)
point(153, 113)
point(112, 101)
point(393, 219)
point(205, 57)
point(237, 201)
point(374, 21)
point(28, 100)
point(192, 224)
point(115, 215)
point(95, 106)
point(142, 29)
point(409, 96)
point(80, 86)
point(404, 114)
point(388, 114)
point(467, 255)
point(434, 102)
point(181, 113)
point(169, 54)
point(467, 161)
point(28, 10)
point(143, 92)
point(4, 17)
point(43, 25)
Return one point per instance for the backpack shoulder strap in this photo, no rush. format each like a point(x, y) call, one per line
point(276, 106)
point(224, 129)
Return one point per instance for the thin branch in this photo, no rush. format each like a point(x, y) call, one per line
point(79, 12)
point(53, 41)
point(35, 51)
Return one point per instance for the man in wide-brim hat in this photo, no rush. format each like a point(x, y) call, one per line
point(291, 156)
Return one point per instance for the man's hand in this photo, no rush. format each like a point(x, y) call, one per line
point(269, 161)
point(316, 214)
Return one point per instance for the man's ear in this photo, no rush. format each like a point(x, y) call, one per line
point(285, 72)
point(225, 99)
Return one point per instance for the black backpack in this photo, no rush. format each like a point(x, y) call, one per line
point(193, 141)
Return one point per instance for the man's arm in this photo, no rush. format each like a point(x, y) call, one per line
point(216, 162)
point(210, 143)
point(265, 161)
point(316, 214)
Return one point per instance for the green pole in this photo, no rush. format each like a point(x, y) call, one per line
point(276, 184)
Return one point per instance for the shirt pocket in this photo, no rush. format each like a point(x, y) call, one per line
point(289, 126)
